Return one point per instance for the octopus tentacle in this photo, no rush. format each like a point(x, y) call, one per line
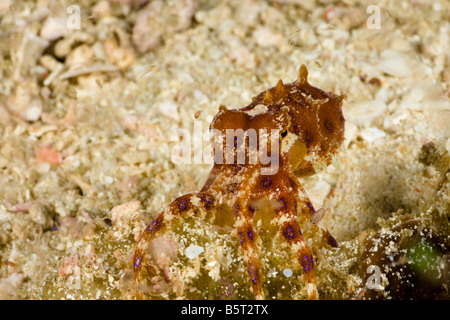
point(306, 260)
point(248, 239)
point(180, 207)
point(291, 232)
point(307, 210)
point(305, 127)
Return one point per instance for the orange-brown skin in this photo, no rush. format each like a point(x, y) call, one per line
point(311, 131)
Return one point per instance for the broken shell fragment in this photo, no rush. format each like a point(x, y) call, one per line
point(122, 57)
point(40, 216)
point(31, 48)
point(25, 102)
point(53, 28)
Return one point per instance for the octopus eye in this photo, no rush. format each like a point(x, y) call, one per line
point(283, 134)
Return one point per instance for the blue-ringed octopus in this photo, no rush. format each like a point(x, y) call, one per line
point(306, 127)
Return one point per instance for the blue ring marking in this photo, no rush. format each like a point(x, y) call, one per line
point(267, 182)
point(308, 136)
point(232, 187)
point(311, 207)
point(204, 198)
point(250, 274)
point(138, 262)
point(250, 235)
point(328, 125)
point(252, 208)
point(242, 237)
point(154, 223)
point(237, 208)
point(303, 263)
point(183, 204)
point(284, 204)
point(289, 233)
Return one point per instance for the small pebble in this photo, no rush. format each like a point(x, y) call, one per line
point(193, 251)
point(371, 134)
point(287, 273)
point(53, 28)
point(395, 63)
point(39, 215)
point(169, 109)
point(26, 103)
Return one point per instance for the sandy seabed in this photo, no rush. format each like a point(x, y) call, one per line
point(93, 92)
